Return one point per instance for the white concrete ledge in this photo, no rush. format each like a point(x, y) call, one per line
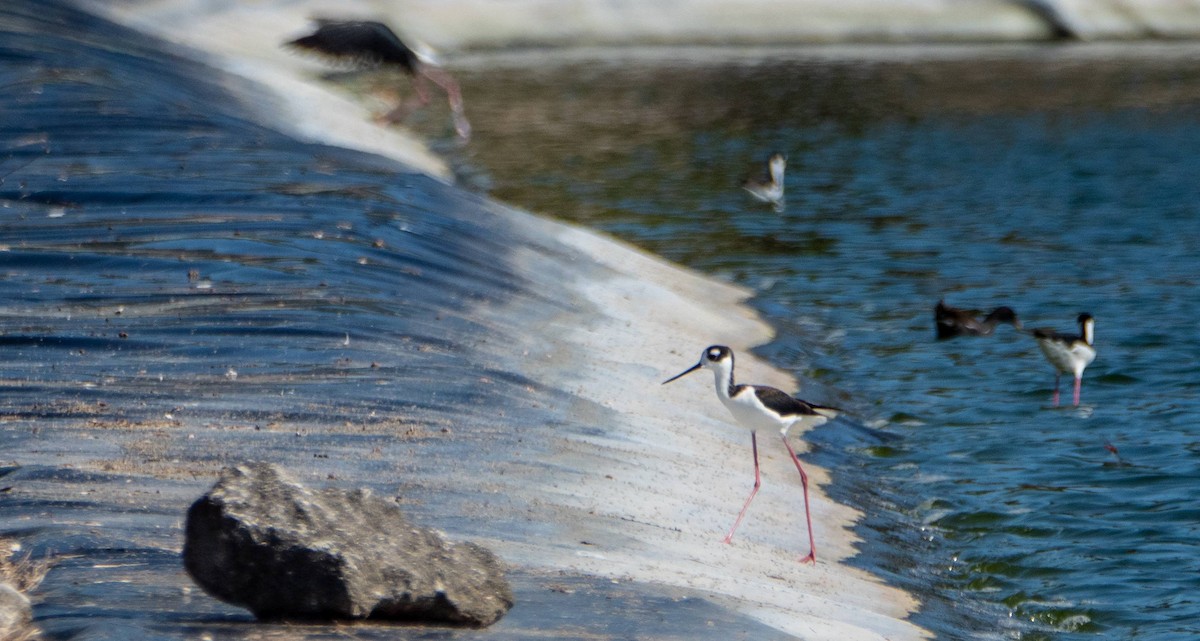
point(474, 24)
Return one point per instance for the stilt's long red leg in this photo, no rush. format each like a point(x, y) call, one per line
point(408, 106)
point(812, 545)
point(757, 483)
point(453, 95)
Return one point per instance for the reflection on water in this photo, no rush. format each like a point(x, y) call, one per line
point(1052, 179)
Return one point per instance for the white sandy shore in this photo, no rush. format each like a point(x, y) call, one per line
point(675, 471)
point(644, 492)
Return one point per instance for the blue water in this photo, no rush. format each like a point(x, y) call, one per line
point(1052, 180)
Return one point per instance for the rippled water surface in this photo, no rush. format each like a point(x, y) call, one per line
point(1055, 180)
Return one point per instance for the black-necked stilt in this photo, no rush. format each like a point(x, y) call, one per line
point(770, 188)
point(760, 407)
point(373, 44)
point(1069, 352)
point(952, 321)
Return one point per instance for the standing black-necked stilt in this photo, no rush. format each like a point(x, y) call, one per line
point(1069, 352)
point(770, 188)
point(760, 407)
point(373, 44)
point(952, 322)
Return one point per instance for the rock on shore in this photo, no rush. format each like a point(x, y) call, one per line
point(263, 541)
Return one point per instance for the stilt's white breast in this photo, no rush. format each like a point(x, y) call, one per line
point(1072, 357)
point(750, 413)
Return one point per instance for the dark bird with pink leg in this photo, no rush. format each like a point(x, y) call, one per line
point(373, 44)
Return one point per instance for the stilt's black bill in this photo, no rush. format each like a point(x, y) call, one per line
point(683, 373)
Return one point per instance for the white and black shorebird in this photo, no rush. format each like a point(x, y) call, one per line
point(1069, 353)
point(769, 189)
point(760, 407)
point(952, 322)
point(373, 44)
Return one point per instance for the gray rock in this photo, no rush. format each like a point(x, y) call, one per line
point(265, 542)
point(16, 615)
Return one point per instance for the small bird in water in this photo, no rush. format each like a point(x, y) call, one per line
point(952, 322)
point(769, 189)
point(373, 44)
point(760, 407)
point(1069, 353)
